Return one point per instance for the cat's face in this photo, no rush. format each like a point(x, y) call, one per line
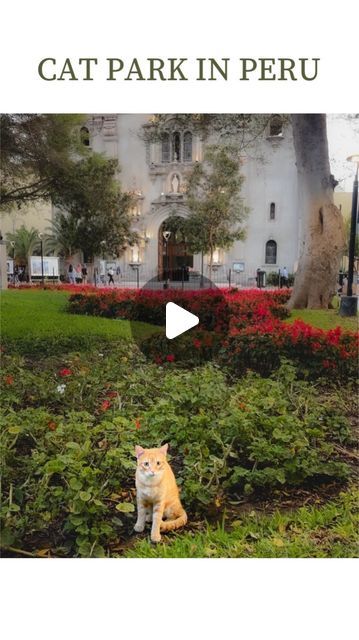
point(150, 462)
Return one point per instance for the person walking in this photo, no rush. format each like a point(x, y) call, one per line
point(84, 274)
point(110, 274)
point(71, 274)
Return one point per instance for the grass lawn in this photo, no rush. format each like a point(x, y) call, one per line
point(329, 530)
point(324, 319)
point(41, 315)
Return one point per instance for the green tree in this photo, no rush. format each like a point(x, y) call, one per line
point(97, 210)
point(62, 237)
point(27, 242)
point(35, 150)
point(217, 212)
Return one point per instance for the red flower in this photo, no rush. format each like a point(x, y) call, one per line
point(197, 343)
point(9, 380)
point(137, 424)
point(170, 357)
point(111, 394)
point(65, 372)
point(52, 425)
point(105, 405)
point(326, 364)
point(158, 360)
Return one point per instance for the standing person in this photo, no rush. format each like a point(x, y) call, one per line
point(84, 274)
point(118, 272)
point(110, 274)
point(71, 274)
point(78, 274)
point(284, 277)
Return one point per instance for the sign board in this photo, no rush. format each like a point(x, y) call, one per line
point(238, 267)
point(50, 264)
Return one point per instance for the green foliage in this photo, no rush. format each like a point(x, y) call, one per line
point(273, 279)
point(325, 531)
point(213, 197)
point(34, 149)
point(63, 237)
point(26, 241)
point(98, 210)
point(71, 424)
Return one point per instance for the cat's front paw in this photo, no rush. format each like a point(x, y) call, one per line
point(139, 528)
point(155, 537)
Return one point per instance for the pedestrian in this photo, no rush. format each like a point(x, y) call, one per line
point(118, 272)
point(84, 274)
point(71, 274)
point(110, 274)
point(78, 274)
point(284, 277)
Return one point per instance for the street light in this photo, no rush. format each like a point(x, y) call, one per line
point(166, 237)
point(41, 236)
point(13, 259)
point(349, 303)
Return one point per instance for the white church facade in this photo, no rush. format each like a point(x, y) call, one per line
point(155, 172)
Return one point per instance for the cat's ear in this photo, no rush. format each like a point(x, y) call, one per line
point(164, 448)
point(139, 451)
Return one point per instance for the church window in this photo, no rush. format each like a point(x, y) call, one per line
point(276, 126)
point(166, 147)
point(187, 147)
point(176, 147)
point(271, 252)
point(272, 211)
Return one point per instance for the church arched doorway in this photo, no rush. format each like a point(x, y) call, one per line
point(174, 255)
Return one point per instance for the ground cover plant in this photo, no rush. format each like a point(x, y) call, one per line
point(71, 417)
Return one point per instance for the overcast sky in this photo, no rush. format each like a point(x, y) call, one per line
point(343, 139)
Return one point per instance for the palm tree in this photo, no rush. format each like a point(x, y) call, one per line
point(26, 242)
point(63, 236)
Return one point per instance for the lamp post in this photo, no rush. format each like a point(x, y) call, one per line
point(166, 237)
point(13, 259)
point(349, 303)
point(41, 236)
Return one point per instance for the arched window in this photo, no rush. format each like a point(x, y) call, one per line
point(85, 136)
point(272, 211)
point(187, 147)
point(176, 147)
point(271, 252)
point(276, 126)
point(165, 147)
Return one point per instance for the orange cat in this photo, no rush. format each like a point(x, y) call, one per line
point(157, 493)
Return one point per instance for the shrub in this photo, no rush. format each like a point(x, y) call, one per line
point(315, 352)
point(67, 458)
point(218, 310)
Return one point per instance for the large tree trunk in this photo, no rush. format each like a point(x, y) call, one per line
point(322, 241)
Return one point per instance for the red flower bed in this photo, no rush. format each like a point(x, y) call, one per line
point(315, 352)
point(218, 310)
point(242, 328)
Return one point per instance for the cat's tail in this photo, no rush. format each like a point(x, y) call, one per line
point(170, 525)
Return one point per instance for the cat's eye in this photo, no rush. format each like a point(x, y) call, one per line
point(146, 464)
point(158, 463)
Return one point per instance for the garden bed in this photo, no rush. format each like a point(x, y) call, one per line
point(72, 416)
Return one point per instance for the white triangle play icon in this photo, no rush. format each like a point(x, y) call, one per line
point(178, 320)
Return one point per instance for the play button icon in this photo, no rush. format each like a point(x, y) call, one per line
point(178, 320)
